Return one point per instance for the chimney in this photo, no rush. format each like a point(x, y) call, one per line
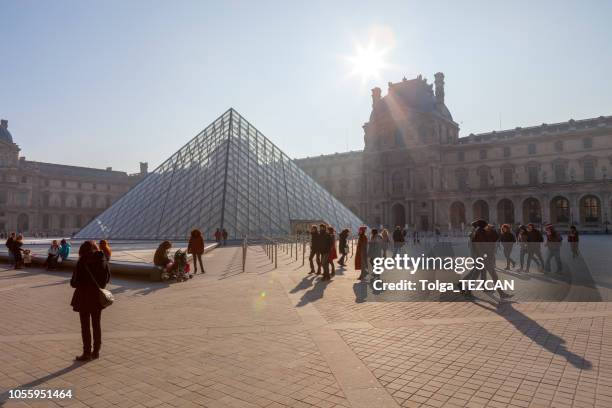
point(144, 168)
point(4, 123)
point(439, 87)
point(376, 92)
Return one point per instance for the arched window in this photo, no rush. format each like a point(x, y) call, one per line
point(457, 214)
point(560, 210)
point(532, 211)
point(505, 212)
point(481, 210)
point(590, 209)
point(397, 183)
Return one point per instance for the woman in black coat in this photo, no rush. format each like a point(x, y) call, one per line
point(91, 264)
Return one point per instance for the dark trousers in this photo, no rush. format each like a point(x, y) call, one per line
point(51, 261)
point(196, 258)
point(556, 254)
point(534, 252)
point(312, 258)
point(507, 255)
point(325, 264)
point(342, 259)
point(522, 255)
point(574, 247)
point(85, 317)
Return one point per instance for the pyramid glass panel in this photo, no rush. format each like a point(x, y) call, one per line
point(228, 176)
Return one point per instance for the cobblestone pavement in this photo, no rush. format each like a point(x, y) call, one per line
point(279, 338)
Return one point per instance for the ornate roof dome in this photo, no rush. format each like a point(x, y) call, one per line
point(5, 135)
point(414, 94)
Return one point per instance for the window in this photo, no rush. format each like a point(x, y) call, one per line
point(561, 210)
point(532, 174)
point(484, 177)
point(24, 179)
point(587, 143)
point(462, 180)
point(45, 221)
point(589, 170)
point(531, 148)
point(397, 183)
point(461, 156)
point(22, 198)
point(3, 197)
point(558, 146)
point(560, 173)
point(508, 174)
point(590, 209)
point(482, 154)
point(507, 151)
point(399, 138)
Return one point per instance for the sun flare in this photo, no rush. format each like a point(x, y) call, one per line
point(367, 62)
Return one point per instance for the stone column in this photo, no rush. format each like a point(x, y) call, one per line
point(492, 210)
point(545, 204)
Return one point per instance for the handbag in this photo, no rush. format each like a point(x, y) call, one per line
point(105, 297)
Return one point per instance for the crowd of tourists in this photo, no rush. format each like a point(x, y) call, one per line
point(485, 239)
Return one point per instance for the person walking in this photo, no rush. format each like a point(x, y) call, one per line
point(573, 238)
point(484, 241)
point(333, 254)
point(326, 243)
point(553, 243)
point(386, 242)
point(522, 242)
point(314, 255)
point(321, 247)
point(534, 250)
point(361, 253)
point(106, 249)
point(195, 247)
point(52, 255)
point(375, 246)
point(398, 239)
point(343, 246)
point(507, 240)
point(224, 236)
point(89, 276)
point(218, 236)
point(9, 246)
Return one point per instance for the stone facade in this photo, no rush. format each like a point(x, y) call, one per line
point(415, 170)
point(40, 199)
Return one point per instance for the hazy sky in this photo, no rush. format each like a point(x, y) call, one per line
point(112, 83)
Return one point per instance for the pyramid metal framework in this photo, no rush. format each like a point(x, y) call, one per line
point(228, 176)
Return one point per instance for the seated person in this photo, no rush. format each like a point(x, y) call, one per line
point(64, 250)
point(52, 255)
point(161, 257)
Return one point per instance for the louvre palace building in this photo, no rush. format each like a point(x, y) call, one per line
point(416, 171)
point(40, 199)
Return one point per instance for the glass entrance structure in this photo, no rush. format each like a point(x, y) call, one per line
point(228, 176)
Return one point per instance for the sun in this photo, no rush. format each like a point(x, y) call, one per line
point(368, 61)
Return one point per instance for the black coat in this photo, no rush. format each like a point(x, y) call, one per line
point(342, 244)
point(325, 243)
point(86, 293)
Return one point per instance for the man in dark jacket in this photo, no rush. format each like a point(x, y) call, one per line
point(484, 240)
point(398, 240)
point(314, 250)
point(325, 242)
point(9, 246)
point(91, 272)
point(553, 243)
point(534, 250)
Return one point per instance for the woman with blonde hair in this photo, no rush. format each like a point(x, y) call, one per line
point(106, 249)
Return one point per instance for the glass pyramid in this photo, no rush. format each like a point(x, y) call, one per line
point(228, 176)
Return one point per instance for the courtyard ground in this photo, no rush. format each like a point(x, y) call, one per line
point(279, 338)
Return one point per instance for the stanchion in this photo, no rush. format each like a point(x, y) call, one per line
point(275, 256)
point(303, 253)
